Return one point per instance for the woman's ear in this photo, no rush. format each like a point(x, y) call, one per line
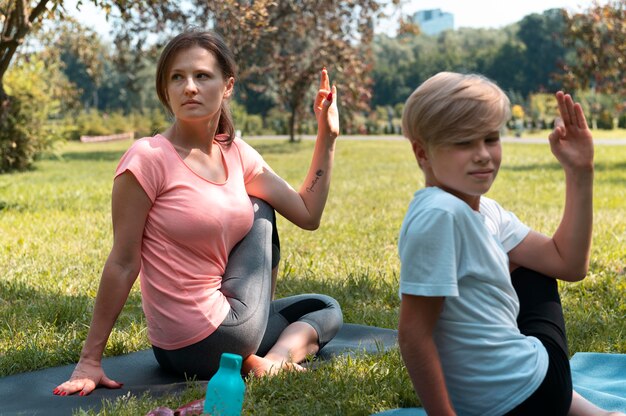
point(230, 85)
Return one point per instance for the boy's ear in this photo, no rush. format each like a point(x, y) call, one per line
point(420, 152)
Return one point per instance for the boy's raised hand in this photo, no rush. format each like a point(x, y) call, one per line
point(571, 141)
point(325, 108)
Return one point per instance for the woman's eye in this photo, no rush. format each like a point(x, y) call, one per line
point(203, 76)
point(176, 77)
point(492, 140)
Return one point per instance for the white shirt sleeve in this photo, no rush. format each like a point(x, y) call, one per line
point(507, 228)
point(429, 245)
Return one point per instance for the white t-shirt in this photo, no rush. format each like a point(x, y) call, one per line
point(447, 249)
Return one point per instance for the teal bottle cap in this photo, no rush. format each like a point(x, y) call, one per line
point(232, 361)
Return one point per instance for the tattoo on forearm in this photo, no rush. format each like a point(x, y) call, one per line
point(318, 175)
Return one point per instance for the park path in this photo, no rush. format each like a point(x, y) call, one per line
point(506, 139)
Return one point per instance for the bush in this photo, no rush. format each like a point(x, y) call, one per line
point(277, 121)
point(30, 122)
point(605, 120)
point(95, 123)
point(17, 147)
point(249, 124)
point(89, 123)
point(253, 125)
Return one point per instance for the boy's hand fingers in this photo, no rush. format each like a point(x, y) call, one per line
point(561, 99)
point(558, 132)
point(558, 122)
point(569, 103)
point(581, 121)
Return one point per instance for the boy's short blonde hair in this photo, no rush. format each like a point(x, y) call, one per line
point(450, 107)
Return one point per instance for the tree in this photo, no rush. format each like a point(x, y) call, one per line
point(19, 18)
point(394, 62)
point(598, 37)
point(542, 35)
point(39, 92)
point(288, 41)
point(507, 67)
point(81, 53)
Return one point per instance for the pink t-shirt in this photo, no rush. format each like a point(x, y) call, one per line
point(190, 230)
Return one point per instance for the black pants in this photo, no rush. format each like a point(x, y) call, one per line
point(254, 321)
point(541, 316)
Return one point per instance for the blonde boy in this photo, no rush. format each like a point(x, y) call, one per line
point(481, 326)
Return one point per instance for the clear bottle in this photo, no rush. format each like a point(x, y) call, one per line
point(225, 391)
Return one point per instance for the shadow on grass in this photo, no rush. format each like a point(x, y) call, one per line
point(555, 166)
point(97, 155)
point(278, 147)
point(552, 166)
point(605, 167)
point(9, 206)
point(365, 298)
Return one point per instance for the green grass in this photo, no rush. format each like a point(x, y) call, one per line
point(55, 233)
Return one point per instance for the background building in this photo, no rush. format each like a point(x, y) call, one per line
point(433, 22)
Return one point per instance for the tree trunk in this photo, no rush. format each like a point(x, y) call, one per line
point(7, 145)
point(292, 125)
point(5, 103)
point(17, 23)
point(295, 103)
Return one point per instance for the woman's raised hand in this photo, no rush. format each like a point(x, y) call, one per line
point(325, 108)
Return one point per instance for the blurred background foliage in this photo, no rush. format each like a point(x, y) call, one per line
point(60, 80)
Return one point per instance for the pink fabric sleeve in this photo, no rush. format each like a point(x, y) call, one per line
point(251, 161)
point(143, 159)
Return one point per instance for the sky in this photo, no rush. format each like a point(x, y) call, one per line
point(490, 13)
point(467, 13)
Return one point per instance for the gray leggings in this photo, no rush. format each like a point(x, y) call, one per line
point(254, 321)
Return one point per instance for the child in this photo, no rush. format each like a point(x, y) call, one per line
point(479, 331)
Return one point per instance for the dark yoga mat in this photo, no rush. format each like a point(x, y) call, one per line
point(31, 393)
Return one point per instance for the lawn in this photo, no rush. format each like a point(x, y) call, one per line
point(55, 233)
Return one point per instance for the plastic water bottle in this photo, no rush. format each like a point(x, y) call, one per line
point(225, 391)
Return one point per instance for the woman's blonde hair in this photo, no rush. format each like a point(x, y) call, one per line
point(449, 107)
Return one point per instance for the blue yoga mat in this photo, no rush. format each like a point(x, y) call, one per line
point(599, 378)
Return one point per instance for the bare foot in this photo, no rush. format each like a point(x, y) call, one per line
point(261, 366)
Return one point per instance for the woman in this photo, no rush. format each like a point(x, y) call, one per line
point(180, 204)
